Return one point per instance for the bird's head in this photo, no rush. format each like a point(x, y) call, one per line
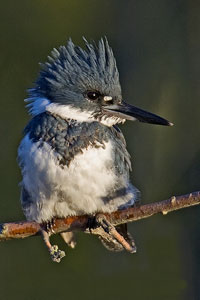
point(84, 85)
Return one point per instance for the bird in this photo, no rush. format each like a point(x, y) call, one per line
point(73, 156)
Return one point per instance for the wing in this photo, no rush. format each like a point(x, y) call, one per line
point(67, 137)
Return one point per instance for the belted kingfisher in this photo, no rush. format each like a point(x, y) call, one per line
point(73, 156)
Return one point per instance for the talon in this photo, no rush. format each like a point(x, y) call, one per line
point(49, 226)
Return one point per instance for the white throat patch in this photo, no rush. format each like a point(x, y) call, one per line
point(39, 105)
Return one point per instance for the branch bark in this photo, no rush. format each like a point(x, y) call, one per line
point(16, 230)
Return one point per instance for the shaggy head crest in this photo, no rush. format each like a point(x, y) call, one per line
point(72, 70)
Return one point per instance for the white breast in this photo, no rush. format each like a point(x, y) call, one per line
point(73, 190)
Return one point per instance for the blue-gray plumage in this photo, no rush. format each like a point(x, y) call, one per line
point(73, 156)
point(72, 71)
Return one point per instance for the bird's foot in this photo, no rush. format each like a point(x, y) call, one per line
point(48, 226)
point(112, 238)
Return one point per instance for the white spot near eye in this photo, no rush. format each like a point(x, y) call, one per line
point(107, 98)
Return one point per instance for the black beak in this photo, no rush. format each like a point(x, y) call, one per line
point(130, 112)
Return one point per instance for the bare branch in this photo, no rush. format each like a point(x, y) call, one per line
point(16, 230)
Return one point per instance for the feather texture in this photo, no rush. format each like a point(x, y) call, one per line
point(72, 168)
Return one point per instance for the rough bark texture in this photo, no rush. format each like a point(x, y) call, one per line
point(16, 230)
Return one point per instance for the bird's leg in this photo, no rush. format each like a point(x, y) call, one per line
point(112, 232)
point(46, 231)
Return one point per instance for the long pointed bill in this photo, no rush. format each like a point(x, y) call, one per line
point(129, 112)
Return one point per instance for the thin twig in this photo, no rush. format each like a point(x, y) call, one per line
point(16, 230)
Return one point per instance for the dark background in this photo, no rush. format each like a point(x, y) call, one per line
point(157, 46)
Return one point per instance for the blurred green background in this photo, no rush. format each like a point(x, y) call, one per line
point(157, 46)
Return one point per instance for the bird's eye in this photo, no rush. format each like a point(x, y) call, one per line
point(93, 95)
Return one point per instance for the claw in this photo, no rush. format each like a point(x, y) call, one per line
point(49, 226)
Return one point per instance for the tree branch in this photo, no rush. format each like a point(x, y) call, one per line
point(16, 230)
